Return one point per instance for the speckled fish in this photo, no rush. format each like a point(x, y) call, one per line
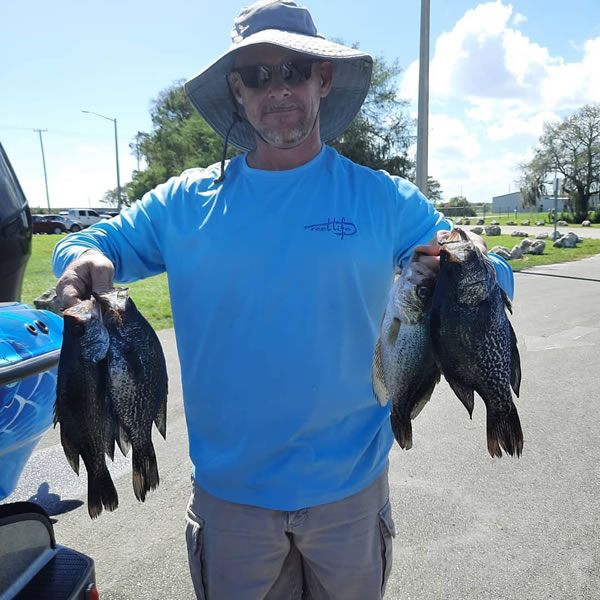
point(404, 369)
point(474, 342)
point(81, 401)
point(136, 385)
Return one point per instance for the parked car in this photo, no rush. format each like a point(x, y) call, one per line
point(86, 216)
point(42, 224)
point(70, 224)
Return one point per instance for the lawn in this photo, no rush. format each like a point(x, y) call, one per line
point(152, 295)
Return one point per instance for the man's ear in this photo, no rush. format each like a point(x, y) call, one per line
point(235, 84)
point(326, 75)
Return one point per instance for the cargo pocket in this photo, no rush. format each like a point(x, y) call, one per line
point(194, 539)
point(388, 531)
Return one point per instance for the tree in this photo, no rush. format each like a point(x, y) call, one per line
point(458, 201)
point(572, 149)
point(111, 196)
point(381, 134)
point(434, 189)
point(180, 139)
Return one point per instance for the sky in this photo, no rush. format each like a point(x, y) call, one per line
point(498, 71)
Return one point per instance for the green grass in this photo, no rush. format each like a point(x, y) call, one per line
point(589, 247)
point(152, 295)
point(533, 217)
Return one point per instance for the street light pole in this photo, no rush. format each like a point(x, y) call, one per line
point(44, 163)
point(114, 120)
point(423, 114)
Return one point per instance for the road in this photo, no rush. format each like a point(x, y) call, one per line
point(468, 526)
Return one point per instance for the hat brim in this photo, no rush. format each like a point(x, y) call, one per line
point(209, 91)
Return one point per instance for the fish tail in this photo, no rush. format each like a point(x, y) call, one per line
point(101, 493)
point(504, 431)
point(402, 428)
point(145, 471)
point(160, 419)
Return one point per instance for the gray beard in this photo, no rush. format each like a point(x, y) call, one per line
point(287, 137)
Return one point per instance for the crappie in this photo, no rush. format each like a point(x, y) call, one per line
point(474, 342)
point(404, 369)
point(80, 406)
point(136, 385)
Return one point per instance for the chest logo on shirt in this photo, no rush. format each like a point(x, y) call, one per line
point(339, 227)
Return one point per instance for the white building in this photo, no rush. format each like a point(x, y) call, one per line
point(507, 203)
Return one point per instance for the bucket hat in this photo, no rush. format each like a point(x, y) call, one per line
point(284, 24)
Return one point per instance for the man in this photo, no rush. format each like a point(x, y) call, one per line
point(279, 268)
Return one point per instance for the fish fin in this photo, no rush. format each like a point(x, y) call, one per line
point(70, 449)
point(463, 392)
point(504, 432)
point(515, 363)
point(426, 395)
point(160, 419)
point(101, 493)
point(377, 376)
point(122, 439)
point(145, 471)
point(393, 331)
point(506, 301)
point(402, 428)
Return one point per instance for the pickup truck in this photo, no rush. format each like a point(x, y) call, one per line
point(85, 216)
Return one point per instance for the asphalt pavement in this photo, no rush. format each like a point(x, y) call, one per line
point(469, 527)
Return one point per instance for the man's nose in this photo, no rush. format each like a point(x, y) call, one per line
point(278, 86)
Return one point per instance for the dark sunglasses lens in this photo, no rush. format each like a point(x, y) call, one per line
point(292, 72)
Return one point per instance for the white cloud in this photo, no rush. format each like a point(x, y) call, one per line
point(492, 89)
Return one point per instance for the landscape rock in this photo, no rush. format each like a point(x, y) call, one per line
point(477, 230)
point(525, 244)
point(562, 224)
point(495, 223)
point(502, 251)
point(586, 223)
point(542, 236)
point(539, 223)
point(569, 240)
point(517, 233)
point(480, 221)
point(516, 252)
point(556, 235)
point(493, 230)
point(526, 222)
point(511, 223)
point(537, 247)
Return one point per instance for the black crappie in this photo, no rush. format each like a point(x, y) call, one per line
point(404, 369)
point(136, 386)
point(474, 342)
point(81, 401)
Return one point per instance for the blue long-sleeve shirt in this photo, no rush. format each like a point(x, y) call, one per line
point(278, 280)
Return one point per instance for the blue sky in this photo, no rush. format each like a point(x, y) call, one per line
point(497, 70)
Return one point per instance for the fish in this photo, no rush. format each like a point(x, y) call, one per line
point(136, 387)
point(404, 370)
point(474, 342)
point(80, 406)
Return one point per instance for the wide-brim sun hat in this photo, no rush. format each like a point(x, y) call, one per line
point(284, 24)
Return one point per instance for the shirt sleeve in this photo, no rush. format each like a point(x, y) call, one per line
point(131, 241)
point(418, 221)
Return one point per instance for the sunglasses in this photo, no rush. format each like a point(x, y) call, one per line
point(293, 72)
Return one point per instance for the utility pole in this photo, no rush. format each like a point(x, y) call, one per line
point(423, 114)
point(44, 163)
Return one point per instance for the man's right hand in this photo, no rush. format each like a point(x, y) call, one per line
point(91, 272)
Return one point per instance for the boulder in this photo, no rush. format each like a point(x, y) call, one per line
point(567, 241)
point(562, 224)
point(493, 230)
point(480, 221)
point(525, 244)
point(495, 223)
point(537, 247)
point(502, 251)
point(49, 301)
point(516, 252)
point(517, 233)
point(526, 222)
point(511, 223)
point(540, 223)
point(542, 236)
point(586, 223)
point(477, 230)
point(556, 235)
